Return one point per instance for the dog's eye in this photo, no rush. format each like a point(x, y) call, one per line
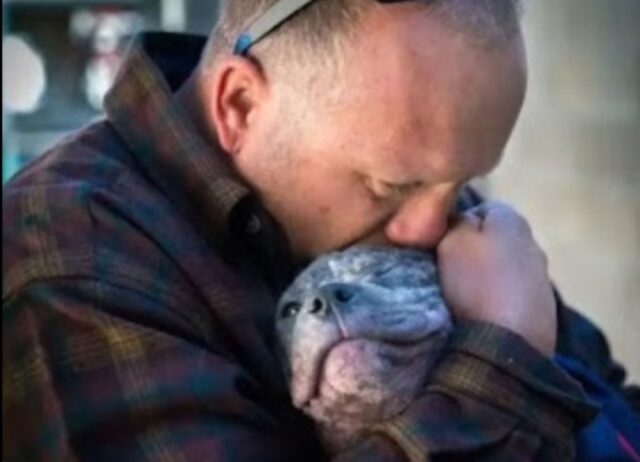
point(290, 309)
point(382, 271)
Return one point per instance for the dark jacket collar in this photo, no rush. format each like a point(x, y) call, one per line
point(196, 176)
point(190, 171)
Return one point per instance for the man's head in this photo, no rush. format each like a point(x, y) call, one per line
point(360, 120)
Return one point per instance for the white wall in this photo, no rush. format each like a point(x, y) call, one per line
point(573, 164)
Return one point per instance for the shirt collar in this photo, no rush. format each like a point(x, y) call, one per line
point(195, 175)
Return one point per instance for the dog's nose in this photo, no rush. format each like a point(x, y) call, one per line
point(319, 306)
point(334, 296)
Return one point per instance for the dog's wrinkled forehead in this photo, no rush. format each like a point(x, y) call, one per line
point(389, 266)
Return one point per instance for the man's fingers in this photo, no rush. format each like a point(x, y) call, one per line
point(499, 216)
point(483, 208)
point(465, 229)
point(467, 219)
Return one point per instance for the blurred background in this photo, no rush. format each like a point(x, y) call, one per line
point(573, 163)
point(572, 166)
point(59, 57)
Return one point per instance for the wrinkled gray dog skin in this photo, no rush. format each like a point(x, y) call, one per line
point(358, 332)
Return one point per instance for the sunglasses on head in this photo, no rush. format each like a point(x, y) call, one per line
point(273, 17)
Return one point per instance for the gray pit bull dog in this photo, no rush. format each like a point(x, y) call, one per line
point(359, 331)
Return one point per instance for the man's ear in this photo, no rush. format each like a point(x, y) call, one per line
point(239, 88)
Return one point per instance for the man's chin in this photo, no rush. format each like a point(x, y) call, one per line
point(304, 255)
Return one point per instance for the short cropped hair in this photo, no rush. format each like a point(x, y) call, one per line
point(317, 34)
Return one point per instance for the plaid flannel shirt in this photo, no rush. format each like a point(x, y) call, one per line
point(139, 283)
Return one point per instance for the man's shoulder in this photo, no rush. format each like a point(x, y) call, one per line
point(83, 209)
point(94, 156)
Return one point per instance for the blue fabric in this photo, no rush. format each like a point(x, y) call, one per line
point(602, 440)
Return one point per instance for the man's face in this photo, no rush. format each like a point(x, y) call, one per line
point(423, 111)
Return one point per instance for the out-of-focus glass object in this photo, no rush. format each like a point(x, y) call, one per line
point(80, 46)
point(104, 33)
point(24, 79)
point(59, 60)
point(174, 15)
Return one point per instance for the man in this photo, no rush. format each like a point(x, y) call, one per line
point(143, 256)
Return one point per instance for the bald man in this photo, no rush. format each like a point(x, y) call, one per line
point(143, 256)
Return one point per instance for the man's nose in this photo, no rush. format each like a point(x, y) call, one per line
point(422, 220)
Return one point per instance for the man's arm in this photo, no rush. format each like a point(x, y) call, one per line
point(492, 397)
point(581, 339)
point(83, 383)
point(577, 336)
point(95, 371)
point(86, 378)
point(492, 271)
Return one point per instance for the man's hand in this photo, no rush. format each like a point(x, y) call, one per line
point(492, 270)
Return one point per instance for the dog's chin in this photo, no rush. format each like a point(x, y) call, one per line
point(370, 380)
